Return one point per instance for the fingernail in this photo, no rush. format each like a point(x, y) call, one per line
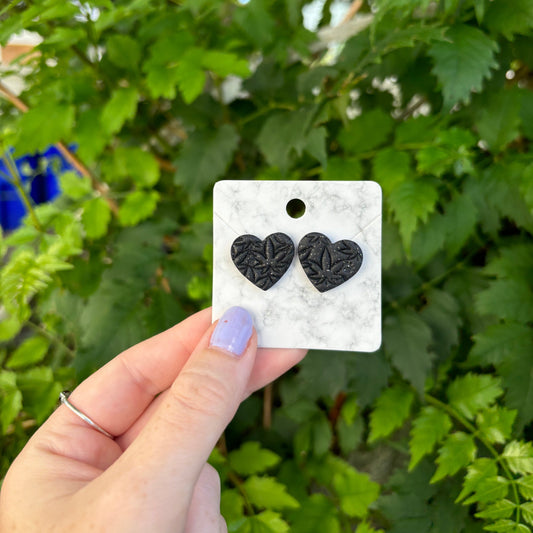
point(233, 331)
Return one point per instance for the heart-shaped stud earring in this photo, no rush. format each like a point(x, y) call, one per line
point(263, 262)
point(327, 264)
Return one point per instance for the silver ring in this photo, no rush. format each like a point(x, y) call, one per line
point(63, 396)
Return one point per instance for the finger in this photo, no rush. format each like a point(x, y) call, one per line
point(167, 457)
point(269, 365)
point(223, 525)
point(204, 510)
point(116, 395)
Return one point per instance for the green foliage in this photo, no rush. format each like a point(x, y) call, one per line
point(429, 428)
point(433, 100)
point(251, 459)
point(462, 62)
point(391, 410)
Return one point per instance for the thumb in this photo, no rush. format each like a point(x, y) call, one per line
point(166, 459)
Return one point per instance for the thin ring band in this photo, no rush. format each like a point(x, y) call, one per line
point(63, 396)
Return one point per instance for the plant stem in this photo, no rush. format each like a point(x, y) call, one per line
point(237, 481)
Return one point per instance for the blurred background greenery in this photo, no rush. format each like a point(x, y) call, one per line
point(150, 102)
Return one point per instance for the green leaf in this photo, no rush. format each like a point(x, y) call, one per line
point(349, 435)
point(517, 378)
point(429, 428)
point(500, 342)
point(489, 490)
point(317, 514)
point(134, 163)
point(161, 66)
point(390, 412)
point(315, 144)
point(9, 327)
point(472, 393)
point(513, 262)
point(428, 239)
point(363, 527)
point(408, 512)
point(250, 458)
point(525, 485)
point(462, 63)
point(89, 135)
point(527, 512)
point(315, 436)
point(459, 220)
point(34, 137)
point(507, 526)
point(433, 160)
point(391, 167)
point(511, 299)
point(496, 423)
point(123, 51)
point(411, 202)
point(204, 158)
point(356, 492)
point(189, 75)
point(268, 522)
point(342, 169)
point(501, 185)
point(366, 131)
point(267, 493)
point(29, 352)
point(138, 206)
point(225, 63)
point(256, 22)
point(499, 121)
point(39, 391)
point(284, 133)
point(349, 409)
point(406, 338)
point(442, 315)
point(121, 106)
point(73, 185)
point(231, 505)
point(10, 399)
point(95, 217)
point(500, 509)
point(457, 451)
point(509, 17)
point(519, 457)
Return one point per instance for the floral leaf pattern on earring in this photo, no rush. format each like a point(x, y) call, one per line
point(327, 264)
point(263, 262)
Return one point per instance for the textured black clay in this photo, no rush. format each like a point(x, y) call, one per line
point(328, 264)
point(263, 262)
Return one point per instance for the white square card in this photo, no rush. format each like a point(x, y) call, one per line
point(293, 312)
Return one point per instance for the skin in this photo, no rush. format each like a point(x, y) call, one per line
point(168, 400)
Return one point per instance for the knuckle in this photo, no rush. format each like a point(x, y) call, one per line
point(200, 391)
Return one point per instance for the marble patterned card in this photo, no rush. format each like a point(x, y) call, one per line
point(303, 286)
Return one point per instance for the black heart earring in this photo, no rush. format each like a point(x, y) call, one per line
point(327, 264)
point(263, 262)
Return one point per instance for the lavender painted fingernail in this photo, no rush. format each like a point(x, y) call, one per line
point(233, 331)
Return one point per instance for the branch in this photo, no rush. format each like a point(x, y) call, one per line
point(74, 160)
point(352, 11)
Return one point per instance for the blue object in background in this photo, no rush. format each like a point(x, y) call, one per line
point(41, 170)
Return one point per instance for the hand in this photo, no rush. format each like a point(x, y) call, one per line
point(167, 400)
